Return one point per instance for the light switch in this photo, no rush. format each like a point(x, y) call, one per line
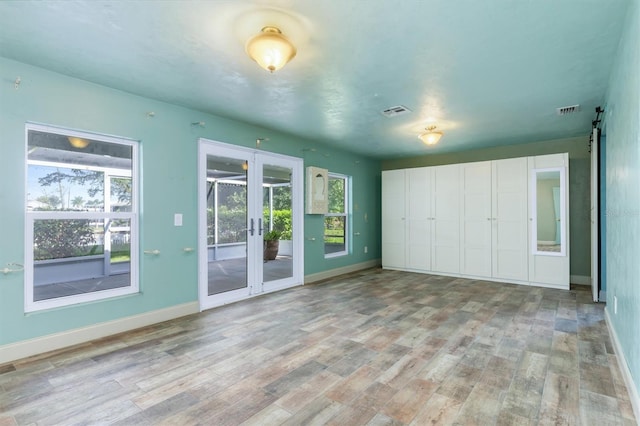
point(177, 219)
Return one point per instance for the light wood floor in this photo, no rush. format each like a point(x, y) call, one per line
point(377, 347)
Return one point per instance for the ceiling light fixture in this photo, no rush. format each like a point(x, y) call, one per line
point(430, 137)
point(78, 142)
point(270, 49)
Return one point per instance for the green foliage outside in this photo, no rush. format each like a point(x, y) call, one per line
point(118, 256)
point(334, 226)
point(336, 195)
point(281, 222)
point(55, 239)
point(334, 232)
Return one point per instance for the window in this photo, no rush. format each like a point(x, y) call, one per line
point(81, 217)
point(336, 222)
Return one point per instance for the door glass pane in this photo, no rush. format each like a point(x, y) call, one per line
point(226, 224)
point(277, 220)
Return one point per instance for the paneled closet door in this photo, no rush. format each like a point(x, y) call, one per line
point(418, 219)
point(446, 220)
point(549, 220)
point(509, 219)
point(393, 219)
point(476, 219)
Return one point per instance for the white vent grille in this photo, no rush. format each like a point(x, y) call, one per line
point(568, 109)
point(395, 111)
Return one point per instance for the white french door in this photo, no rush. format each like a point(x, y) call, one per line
point(244, 194)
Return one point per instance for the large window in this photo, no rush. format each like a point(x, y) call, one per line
point(336, 222)
point(81, 217)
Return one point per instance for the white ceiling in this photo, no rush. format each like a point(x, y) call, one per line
point(487, 73)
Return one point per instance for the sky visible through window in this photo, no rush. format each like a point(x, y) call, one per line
point(68, 191)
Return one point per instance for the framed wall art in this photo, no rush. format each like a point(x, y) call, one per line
point(317, 190)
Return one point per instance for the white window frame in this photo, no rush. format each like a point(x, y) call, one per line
point(31, 216)
point(346, 214)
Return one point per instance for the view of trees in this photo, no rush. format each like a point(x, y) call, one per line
point(335, 226)
point(62, 180)
point(60, 238)
point(55, 239)
point(232, 212)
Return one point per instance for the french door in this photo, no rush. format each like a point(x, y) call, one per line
point(246, 197)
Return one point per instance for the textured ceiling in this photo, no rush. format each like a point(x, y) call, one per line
point(487, 73)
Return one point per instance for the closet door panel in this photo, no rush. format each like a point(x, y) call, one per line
point(509, 219)
point(418, 202)
point(446, 219)
point(549, 265)
point(475, 223)
point(393, 219)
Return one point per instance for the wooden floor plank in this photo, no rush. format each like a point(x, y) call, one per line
point(370, 348)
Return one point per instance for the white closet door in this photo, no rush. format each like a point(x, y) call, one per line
point(418, 229)
point(549, 265)
point(393, 219)
point(475, 221)
point(509, 219)
point(446, 220)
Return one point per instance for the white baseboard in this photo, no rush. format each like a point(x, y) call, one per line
point(319, 276)
point(624, 367)
point(51, 342)
point(580, 279)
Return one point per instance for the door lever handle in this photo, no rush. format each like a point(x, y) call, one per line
point(251, 229)
point(260, 226)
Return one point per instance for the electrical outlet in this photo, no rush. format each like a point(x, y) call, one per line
point(615, 305)
point(366, 249)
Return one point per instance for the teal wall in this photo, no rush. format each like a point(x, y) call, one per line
point(622, 150)
point(579, 184)
point(168, 186)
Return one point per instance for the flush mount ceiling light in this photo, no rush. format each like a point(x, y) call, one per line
point(270, 49)
point(430, 137)
point(78, 142)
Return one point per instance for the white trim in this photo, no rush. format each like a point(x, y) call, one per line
point(30, 305)
point(580, 279)
point(479, 277)
point(256, 161)
point(346, 213)
point(50, 342)
point(624, 367)
point(319, 276)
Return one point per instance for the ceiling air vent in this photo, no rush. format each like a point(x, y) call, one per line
point(395, 111)
point(568, 109)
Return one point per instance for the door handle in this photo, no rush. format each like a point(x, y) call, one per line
point(251, 229)
point(259, 226)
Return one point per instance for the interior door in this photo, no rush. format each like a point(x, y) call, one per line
point(445, 244)
point(393, 219)
point(595, 210)
point(233, 221)
point(418, 218)
point(509, 219)
point(476, 219)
